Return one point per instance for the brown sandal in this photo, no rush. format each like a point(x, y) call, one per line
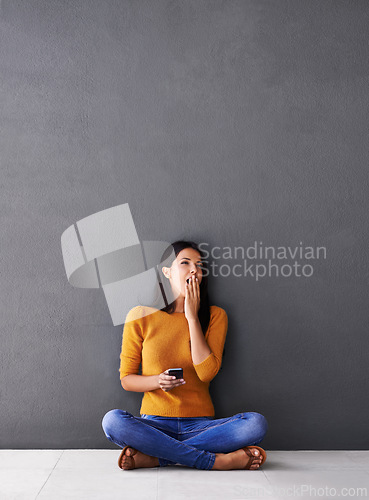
point(248, 452)
point(122, 455)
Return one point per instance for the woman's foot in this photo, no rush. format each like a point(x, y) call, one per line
point(134, 459)
point(237, 459)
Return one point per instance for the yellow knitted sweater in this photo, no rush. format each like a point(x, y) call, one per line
point(160, 341)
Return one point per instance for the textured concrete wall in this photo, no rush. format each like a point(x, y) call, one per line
point(225, 122)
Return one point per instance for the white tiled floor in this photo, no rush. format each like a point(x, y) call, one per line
point(94, 474)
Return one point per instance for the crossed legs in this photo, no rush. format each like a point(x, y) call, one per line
point(205, 444)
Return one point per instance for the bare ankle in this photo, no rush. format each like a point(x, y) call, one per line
point(221, 462)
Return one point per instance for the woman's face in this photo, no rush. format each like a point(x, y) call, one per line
point(186, 264)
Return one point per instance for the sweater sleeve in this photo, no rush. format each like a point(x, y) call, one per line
point(215, 337)
point(130, 356)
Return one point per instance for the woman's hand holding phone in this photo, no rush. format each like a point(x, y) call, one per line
point(168, 382)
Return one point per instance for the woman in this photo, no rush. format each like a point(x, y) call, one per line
point(177, 423)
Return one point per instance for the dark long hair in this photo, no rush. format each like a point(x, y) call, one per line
point(204, 310)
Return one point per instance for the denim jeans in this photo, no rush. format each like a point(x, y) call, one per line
point(190, 441)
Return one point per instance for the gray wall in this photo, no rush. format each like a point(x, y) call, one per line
point(225, 122)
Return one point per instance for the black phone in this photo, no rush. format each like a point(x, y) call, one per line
point(176, 372)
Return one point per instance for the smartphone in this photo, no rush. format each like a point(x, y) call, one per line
point(176, 372)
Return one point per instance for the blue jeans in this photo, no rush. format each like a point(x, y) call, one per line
point(190, 441)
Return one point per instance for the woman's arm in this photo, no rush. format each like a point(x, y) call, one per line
point(200, 349)
point(145, 383)
point(210, 365)
point(140, 383)
point(207, 352)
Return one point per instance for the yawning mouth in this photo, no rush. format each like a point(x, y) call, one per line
point(188, 280)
